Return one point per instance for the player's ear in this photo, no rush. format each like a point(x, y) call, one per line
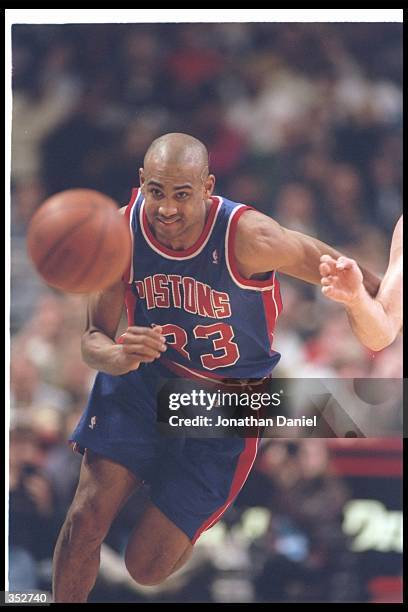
point(141, 179)
point(209, 185)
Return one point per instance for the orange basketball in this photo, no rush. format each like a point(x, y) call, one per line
point(78, 241)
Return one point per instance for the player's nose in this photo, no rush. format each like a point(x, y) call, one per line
point(167, 209)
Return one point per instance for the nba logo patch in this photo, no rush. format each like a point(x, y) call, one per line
point(215, 256)
point(93, 423)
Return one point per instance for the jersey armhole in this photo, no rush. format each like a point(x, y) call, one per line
point(230, 235)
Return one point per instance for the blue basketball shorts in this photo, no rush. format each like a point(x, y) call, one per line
point(192, 480)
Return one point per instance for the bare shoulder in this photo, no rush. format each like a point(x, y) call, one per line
point(253, 219)
point(254, 228)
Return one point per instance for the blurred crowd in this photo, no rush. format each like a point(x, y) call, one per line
point(302, 121)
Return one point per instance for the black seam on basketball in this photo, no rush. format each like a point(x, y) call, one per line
point(59, 243)
point(93, 257)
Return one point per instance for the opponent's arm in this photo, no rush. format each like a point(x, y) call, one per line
point(99, 349)
point(375, 322)
point(262, 245)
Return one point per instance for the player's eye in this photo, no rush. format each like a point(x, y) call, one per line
point(182, 195)
point(156, 193)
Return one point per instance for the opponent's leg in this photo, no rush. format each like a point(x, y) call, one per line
point(104, 486)
point(156, 548)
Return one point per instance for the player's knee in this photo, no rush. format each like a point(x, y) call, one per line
point(85, 524)
point(146, 573)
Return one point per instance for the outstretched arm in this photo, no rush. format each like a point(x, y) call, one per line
point(375, 322)
point(262, 245)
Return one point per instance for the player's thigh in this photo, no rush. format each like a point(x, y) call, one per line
point(103, 488)
point(156, 547)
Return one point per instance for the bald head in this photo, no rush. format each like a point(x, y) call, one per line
point(179, 150)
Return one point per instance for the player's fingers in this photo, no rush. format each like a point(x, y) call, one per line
point(328, 291)
point(331, 279)
point(324, 269)
point(140, 349)
point(345, 263)
point(131, 345)
point(146, 331)
point(144, 335)
point(329, 267)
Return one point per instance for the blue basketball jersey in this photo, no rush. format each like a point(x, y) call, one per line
point(217, 324)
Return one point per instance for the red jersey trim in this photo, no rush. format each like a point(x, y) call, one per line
point(128, 274)
point(192, 251)
point(243, 283)
point(272, 304)
point(271, 314)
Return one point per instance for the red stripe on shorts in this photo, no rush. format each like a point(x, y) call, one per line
point(245, 463)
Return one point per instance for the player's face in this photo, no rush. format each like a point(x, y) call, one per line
point(176, 201)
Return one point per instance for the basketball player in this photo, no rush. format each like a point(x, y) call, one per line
point(375, 322)
point(202, 298)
